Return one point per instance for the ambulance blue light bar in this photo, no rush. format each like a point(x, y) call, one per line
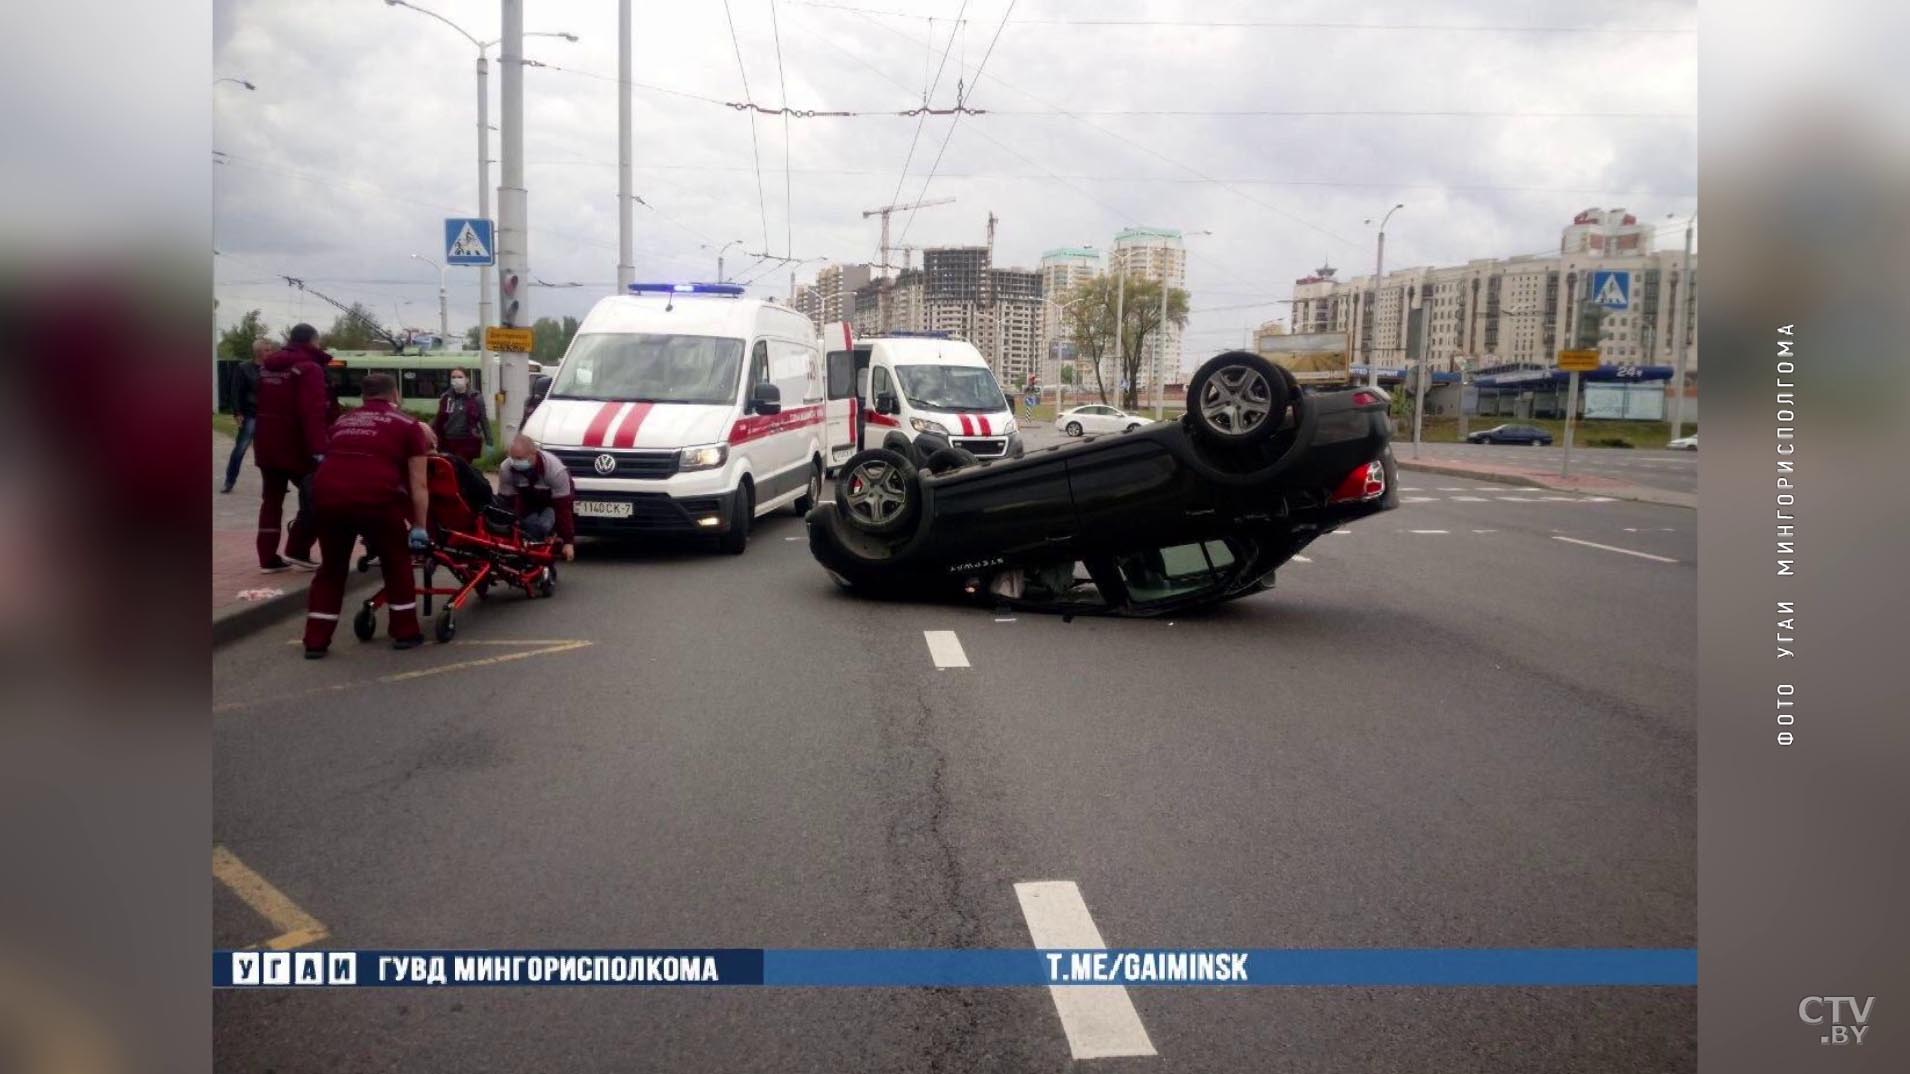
point(731, 290)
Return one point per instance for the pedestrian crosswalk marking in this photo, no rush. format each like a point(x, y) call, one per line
point(467, 244)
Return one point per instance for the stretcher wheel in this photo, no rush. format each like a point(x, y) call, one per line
point(444, 625)
point(364, 625)
point(364, 563)
point(547, 585)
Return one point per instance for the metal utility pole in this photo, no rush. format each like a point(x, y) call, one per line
point(1120, 303)
point(1419, 386)
point(486, 367)
point(884, 212)
point(513, 217)
point(1379, 269)
point(1683, 319)
point(626, 268)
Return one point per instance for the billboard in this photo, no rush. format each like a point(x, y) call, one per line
point(1312, 357)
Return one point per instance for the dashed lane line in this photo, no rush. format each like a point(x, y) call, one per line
point(1099, 1020)
point(945, 649)
point(1427, 531)
point(1615, 548)
point(1301, 559)
point(296, 927)
point(1469, 499)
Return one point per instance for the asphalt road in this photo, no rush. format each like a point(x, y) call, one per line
point(1467, 722)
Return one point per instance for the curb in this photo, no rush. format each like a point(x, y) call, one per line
point(1635, 493)
point(244, 619)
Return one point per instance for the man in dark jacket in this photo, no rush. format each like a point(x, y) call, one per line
point(372, 486)
point(245, 407)
point(291, 443)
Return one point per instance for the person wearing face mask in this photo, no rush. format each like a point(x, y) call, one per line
point(536, 488)
point(461, 424)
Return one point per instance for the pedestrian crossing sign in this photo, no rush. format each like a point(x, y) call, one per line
point(468, 241)
point(1611, 289)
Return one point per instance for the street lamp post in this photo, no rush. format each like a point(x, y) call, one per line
point(719, 256)
point(235, 81)
point(1059, 307)
point(444, 313)
point(1379, 268)
point(483, 167)
point(1683, 318)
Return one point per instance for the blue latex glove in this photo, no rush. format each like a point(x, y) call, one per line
point(420, 540)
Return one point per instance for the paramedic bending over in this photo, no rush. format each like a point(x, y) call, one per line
point(536, 487)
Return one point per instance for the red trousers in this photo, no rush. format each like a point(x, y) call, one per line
point(467, 448)
point(272, 508)
point(386, 536)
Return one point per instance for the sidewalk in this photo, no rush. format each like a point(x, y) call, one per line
point(1549, 479)
point(245, 601)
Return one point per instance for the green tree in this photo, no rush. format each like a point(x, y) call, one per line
point(473, 338)
point(1088, 312)
point(1141, 318)
point(236, 341)
point(552, 339)
point(351, 331)
point(1089, 315)
point(1067, 374)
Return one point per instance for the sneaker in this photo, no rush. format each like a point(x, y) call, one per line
point(301, 563)
point(277, 566)
point(314, 654)
point(226, 489)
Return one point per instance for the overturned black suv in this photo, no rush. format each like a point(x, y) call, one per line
point(1150, 521)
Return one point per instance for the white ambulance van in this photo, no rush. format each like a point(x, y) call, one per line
point(917, 393)
point(687, 408)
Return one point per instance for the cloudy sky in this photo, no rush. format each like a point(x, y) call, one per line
point(1279, 127)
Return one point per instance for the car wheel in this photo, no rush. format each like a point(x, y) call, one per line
point(1073, 429)
point(1132, 427)
point(807, 501)
point(949, 459)
point(1237, 398)
point(878, 492)
point(737, 539)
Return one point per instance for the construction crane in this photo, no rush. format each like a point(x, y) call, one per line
point(357, 313)
point(884, 212)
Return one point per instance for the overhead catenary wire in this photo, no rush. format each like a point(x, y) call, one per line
point(960, 99)
point(1284, 24)
point(928, 94)
point(762, 206)
point(782, 90)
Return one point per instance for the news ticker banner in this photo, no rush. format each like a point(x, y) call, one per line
point(907, 968)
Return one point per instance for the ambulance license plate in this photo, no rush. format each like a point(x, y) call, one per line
point(603, 508)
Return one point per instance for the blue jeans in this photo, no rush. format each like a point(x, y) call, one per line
point(539, 524)
point(247, 426)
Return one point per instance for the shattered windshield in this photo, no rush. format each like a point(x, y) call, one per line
point(647, 368)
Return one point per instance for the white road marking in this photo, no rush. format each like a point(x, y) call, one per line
point(1341, 533)
point(1560, 499)
point(945, 649)
point(1599, 499)
point(1485, 531)
point(1468, 499)
point(792, 538)
point(1301, 559)
point(1426, 531)
point(1614, 548)
point(1417, 499)
point(1410, 488)
point(1457, 488)
point(1516, 499)
point(1007, 620)
point(1100, 1020)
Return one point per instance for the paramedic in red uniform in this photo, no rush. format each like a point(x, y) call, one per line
point(371, 485)
point(534, 484)
point(289, 441)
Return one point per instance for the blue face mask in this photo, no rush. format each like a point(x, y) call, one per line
point(522, 466)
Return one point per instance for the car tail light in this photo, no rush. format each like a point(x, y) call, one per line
point(1367, 398)
point(1364, 483)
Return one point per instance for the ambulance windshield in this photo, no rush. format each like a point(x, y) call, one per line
point(951, 387)
point(645, 368)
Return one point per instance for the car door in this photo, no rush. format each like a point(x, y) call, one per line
point(1103, 420)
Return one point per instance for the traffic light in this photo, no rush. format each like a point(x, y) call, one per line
point(1591, 319)
point(507, 298)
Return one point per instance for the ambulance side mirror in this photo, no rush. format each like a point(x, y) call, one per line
point(885, 404)
point(765, 398)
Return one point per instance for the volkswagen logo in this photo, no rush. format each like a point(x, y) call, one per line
point(606, 463)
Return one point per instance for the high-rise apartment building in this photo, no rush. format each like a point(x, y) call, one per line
point(958, 291)
point(1517, 310)
point(837, 285)
point(1147, 253)
point(1062, 270)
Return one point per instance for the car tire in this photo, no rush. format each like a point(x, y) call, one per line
point(807, 501)
point(1237, 398)
point(1073, 429)
point(1132, 427)
point(878, 492)
point(949, 459)
point(734, 542)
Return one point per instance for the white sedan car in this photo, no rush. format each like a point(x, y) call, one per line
point(1097, 418)
point(1684, 443)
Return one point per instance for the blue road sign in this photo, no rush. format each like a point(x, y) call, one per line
point(1033, 401)
point(1611, 288)
point(468, 241)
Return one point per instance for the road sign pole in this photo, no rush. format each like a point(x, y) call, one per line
point(1419, 405)
point(486, 368)
point(1571, 412)
point(513, 218)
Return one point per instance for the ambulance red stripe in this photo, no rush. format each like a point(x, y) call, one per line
point(758, 426)
point(600, 424)
point(632, 421)
point(988, 427)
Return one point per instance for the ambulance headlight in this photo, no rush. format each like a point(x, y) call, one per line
point(922, 425)
point(1009, 429)
point(703, 457)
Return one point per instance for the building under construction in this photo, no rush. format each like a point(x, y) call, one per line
point(959, 291)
